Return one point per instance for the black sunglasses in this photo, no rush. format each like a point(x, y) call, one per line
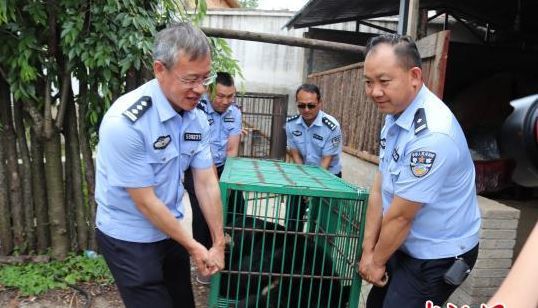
point(309, 106)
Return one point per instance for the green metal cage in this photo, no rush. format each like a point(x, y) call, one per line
point(295, 235)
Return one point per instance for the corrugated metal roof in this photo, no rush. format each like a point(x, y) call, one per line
point(500, 14)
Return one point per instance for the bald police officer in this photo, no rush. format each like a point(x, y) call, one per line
point(422, 220)
point(148, 138)
point(224, 119)
point(313, 138)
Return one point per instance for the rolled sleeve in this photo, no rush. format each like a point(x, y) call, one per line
point(124, 154)
point(422, 182)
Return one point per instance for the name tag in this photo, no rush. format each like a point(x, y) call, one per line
point(316, 136)
point(192, 137)
point(229, 120)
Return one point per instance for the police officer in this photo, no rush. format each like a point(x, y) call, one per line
point(313, 138)
point(148, 138)
point(422, 220)
point(224, 119)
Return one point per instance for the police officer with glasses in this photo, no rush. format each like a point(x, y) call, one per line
point(147, 139)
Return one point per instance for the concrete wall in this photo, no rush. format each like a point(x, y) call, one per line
point(497, 239)
point(267, 68)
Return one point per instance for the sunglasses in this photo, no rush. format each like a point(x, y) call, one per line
point(308, 106)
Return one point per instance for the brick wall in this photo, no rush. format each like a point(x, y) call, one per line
point(497, 240)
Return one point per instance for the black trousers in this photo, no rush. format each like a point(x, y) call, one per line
point(297, 208)
point(200, 229)
point(149, 274)
point(412, 281)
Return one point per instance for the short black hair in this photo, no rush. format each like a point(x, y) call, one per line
point(225, 79)
point(405, 48)
point(310, 88)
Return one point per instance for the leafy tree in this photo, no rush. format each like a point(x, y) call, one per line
point(62, 64)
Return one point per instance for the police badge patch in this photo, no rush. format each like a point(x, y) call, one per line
point(297, 133)
point(162, 142)
point(421, 162)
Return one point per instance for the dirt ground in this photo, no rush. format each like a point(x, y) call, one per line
point(102, 296)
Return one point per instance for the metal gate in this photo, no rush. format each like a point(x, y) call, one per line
point(264, 117)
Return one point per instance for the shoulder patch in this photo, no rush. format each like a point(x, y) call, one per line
point(421, 162)
point(137, 109)
point(293, 117)
point(420, 121)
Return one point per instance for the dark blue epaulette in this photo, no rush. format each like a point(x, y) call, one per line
point(293, 117)
point(330, 124)
point(420, 121)
point(136, 110)
point(202, 105)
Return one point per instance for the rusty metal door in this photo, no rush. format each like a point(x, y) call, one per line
point(264, 117)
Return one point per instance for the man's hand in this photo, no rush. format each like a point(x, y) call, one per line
point(200, 256)
point(216, 259)
point(371, 272)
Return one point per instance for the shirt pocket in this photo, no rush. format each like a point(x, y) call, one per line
point(391, 176)
point(188, 150)
point(161, 161)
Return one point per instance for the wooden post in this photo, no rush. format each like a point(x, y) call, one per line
point(283, 40)
point(412, 19)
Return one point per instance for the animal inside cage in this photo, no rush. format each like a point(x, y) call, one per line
point(295, 235)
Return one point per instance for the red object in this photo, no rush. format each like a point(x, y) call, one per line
point(493, 175)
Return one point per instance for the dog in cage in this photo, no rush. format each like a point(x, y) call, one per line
point(271, 266)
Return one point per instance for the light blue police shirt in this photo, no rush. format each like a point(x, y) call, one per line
point(222, 126)
point(424, 158)
point(144, 142)
point(322, 138)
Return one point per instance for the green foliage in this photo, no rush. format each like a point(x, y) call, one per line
point(100, 41)
point(249, 4)
point(37, 278)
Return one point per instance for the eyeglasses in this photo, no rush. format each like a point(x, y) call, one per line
point(193, 83)
point(308, 106)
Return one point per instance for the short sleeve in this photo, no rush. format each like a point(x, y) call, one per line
point(425, 167)
point(123, 154)
point(289, 138)
point(202, 158)
point(333, 145)
point(236, 128)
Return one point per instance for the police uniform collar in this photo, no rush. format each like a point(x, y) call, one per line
point(405, 120)
point(317, 121)
point(164, 107)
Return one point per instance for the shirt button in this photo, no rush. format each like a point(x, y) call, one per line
point(163, 159)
